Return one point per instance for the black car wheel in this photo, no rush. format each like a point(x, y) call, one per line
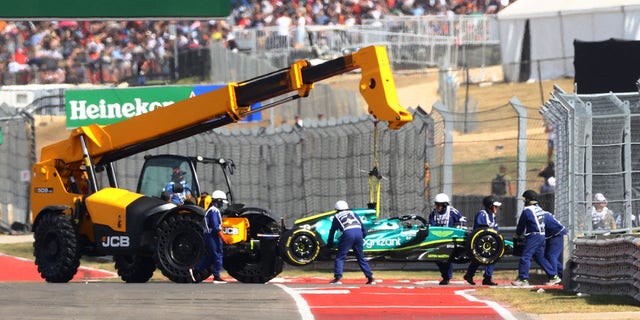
point(486, 246)
point(55, 247)
point(299, 247)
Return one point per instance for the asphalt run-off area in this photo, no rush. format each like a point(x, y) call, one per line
point(99, 294)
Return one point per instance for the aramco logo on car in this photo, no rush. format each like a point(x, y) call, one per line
point(370, 243)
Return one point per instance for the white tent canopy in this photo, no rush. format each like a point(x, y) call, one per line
point(554, 25)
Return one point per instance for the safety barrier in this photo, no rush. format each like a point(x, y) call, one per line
point(603, 265)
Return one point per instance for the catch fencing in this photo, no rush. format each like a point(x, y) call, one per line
point(295, 172)
point(14, 159)
point(469, 146)
point(598, 151)
point(18, 152)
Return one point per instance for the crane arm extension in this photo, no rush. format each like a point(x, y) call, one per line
point(376, 83)
point(231, 103)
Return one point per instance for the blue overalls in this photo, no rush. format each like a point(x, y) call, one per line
point(213, 225)
point(449, 217)
point(483, 219)
point(177, 197)
point(352, 238)
point(554, 232)
point(531, 226)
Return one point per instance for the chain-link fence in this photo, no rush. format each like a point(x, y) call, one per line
point(470, 146)
point(297, 172)
point(597, 152)
point(18, 152)
point(15, 156)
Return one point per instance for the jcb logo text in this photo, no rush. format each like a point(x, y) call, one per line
point(230, 231)
point(115, 241)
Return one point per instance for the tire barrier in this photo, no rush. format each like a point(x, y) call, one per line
point(609, 266)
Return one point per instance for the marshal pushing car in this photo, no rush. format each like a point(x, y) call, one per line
point(403, 238)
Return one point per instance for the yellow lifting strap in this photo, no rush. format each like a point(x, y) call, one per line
point(375, 185)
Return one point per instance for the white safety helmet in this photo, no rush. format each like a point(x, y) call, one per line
point(342, 205)
point(219, 195)
point(442, 198)
point(599, 198)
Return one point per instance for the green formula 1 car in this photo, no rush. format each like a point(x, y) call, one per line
point(404, 238)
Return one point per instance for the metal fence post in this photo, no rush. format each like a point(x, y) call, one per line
point(521, 156)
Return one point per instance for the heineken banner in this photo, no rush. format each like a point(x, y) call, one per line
point(106, 106)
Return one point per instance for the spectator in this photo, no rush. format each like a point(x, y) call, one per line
point(18, 63)
point(531, 226)
point(501, 184)
point(301, 33)
point(485, 218)
point(445, 215)
point(87, 47)
point(352, 238)
point(142, 67)
point(284, 24)
point(230, 40)
point(21, 57)
point(548, 174)
point(549, 130)
point(298, 123)
point(601, 217)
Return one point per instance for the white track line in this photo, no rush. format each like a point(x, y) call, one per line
point(303, 307)
point(504, 313)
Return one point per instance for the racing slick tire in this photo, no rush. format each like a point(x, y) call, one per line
point(55, 247)
point(486, 246)
point(299, 247)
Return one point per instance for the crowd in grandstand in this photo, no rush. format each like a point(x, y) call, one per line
point(70, 51)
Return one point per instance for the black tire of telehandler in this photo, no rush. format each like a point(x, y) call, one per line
point(134, 269)
point(55, 247)
point(179, 246)
point(486, 246)
point(299, 247)
point(256, 266)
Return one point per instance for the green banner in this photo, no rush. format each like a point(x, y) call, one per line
point(81, 9)
point(106, 106)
